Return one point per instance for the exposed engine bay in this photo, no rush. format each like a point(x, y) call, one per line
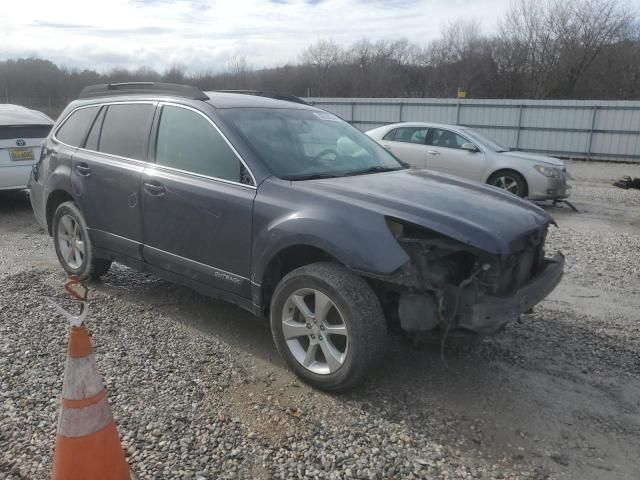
point(450, 285)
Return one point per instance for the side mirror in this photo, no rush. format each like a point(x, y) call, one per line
point(470, 146)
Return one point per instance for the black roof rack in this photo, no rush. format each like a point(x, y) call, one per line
point(135, 88)
point(275, 95)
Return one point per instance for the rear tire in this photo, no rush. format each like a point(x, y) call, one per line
point(73, 245)
point(511, 181)
point(328, 325)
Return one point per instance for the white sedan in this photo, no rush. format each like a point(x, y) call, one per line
point(22, 132)
point(466, 153)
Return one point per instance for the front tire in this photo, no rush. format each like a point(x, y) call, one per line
point(511, 181)
point(328, 325)
point(73, 245)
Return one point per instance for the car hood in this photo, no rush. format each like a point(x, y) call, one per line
point(476, 214)
point(534, 157)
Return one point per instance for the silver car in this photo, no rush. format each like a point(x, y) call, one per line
point(22, 132)
point(464, 152)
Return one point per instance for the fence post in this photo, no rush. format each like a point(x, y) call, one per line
point(458, 113)
point(400, 112)
point(519, 127)
point(353, 108)
point(594, 111)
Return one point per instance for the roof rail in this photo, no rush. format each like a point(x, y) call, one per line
point(275, 95)
point(135, 88)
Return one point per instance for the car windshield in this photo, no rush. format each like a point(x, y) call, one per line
point(301, 144)
point(485, 141)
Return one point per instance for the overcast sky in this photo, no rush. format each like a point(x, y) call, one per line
point(202, 35)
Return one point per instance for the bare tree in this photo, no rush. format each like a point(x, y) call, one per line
point(543, 49)
point(552, 44)
point(239, 70)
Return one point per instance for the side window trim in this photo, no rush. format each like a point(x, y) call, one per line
point(154, 141)
point(98, 118)
point(106, 104)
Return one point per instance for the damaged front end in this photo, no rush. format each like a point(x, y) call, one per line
point(451, 285)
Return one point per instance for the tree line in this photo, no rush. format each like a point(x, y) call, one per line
point(542, 49)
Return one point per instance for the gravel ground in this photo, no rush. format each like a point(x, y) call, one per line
point(199, 392)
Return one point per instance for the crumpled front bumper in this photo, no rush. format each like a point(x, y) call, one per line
point(488, 314)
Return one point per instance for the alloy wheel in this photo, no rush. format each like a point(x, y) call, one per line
point(315, 331)
point(71, 241)
point(507, 183)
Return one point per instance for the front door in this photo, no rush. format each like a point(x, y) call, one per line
point(106, 176)
point(445, 154)
point(197, 203)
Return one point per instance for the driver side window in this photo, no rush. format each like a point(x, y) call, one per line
point(439, 137)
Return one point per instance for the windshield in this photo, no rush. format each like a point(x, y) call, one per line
point(304, 144)
point(486, 141)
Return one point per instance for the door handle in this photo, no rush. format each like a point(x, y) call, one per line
point(155, 189)
point(433, 152)
point(83, 169)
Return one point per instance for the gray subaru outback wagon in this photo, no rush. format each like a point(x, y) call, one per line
point(289, 212)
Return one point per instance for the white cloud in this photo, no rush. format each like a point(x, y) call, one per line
point(203, 34)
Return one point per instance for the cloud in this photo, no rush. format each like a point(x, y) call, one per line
point(204, 34)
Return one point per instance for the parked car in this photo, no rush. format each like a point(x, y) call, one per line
point(466, 153)
point(290, 213)
point(22, 131)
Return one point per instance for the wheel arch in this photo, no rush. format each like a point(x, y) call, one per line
point(54, 199)
point(286, 260)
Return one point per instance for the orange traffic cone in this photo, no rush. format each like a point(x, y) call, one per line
point(87, 444)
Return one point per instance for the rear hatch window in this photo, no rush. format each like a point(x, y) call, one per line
point(26, 131)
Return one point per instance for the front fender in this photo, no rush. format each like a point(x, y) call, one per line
point(358, 239)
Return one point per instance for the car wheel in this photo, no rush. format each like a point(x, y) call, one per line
point(510, 181)
point(328, 325)
point(73, 246)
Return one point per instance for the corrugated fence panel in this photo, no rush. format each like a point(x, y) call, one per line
point(505, 137)
point(591, 129)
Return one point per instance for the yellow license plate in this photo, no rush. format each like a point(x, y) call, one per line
point(17, 154)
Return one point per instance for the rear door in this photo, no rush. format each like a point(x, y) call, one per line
point(197, 202)
point(445, 154)
point(106, 175)
point(408, 144)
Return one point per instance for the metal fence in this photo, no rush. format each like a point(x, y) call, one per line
point(588, 129)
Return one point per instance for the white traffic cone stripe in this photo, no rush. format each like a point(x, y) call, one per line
point(81, 378)
point(79, 422)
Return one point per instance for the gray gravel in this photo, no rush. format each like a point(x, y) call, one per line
point(198, 391)
point(187, 407)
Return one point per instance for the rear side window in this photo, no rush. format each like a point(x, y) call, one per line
point(390, 135)
point(188, 141)
point(415, 135)
point(124, 130)
point(75, 126)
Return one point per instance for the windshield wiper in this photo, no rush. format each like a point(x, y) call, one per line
point(375, 169)
point(310, 176)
